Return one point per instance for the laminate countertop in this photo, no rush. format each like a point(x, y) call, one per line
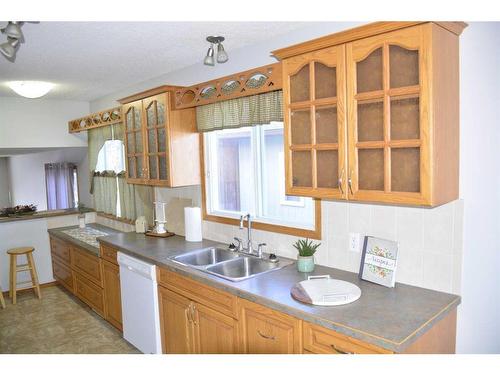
point(392, 318)
point(64, 234)
point(42, 214)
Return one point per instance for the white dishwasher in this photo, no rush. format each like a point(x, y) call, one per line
point(140, 312)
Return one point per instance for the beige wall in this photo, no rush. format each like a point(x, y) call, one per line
point(430, 240)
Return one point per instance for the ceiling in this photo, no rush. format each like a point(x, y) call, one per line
point(88, 60)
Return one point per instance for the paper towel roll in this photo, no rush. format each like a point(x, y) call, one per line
point(192, 224)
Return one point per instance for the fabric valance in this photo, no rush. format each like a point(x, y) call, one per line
point(236, 113)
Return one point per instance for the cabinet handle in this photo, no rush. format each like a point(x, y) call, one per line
point(341, 181)
point(265, 336)
point(350, 183)
point(339, 351)
point(193, 309)
point(188, 313)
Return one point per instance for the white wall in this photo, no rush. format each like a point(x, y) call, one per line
point(33, 123)
point(13, 234)
point(479, 314)
point(431, 240)
point(4, 184)
point(27, 174)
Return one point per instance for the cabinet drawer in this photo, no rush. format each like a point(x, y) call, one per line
point(211, 297)
point(63, 274)
point(324, 341)
point(108, 253)
point(89, 293)
point(266, 331)
point(61, 250)
point(87, 264)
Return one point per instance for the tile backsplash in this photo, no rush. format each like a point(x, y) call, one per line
point(430, 240)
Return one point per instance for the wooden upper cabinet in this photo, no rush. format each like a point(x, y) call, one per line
point(388, 132)
point(161, 143)
point(134, 142)
point(314, 93)
point(375, 119)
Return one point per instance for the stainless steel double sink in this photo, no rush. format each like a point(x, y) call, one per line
point(227, 264)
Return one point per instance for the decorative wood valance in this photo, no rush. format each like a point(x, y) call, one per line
point(96, 120)
point(251, 82)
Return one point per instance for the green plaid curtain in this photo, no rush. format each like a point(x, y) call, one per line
point(236, 113)
point(136, 200)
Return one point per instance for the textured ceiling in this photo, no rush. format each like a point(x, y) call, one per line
point(88, 60)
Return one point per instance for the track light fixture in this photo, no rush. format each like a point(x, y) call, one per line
point(221, 53)
point(12, 29)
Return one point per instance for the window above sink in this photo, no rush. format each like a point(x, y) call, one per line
point(245, 172)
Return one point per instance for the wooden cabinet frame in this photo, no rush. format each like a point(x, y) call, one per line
point(414, 38)
point(181, 140)
point(438, 103)
point(189, 327)
point(331, 57)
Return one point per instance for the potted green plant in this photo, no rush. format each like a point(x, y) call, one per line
point(305, 258)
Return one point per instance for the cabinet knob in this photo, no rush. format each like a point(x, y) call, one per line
point(349, 181)
point(193, 309)
point(188, 313)
point(341, 181)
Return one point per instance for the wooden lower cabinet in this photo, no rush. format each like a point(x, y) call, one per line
point(266, 331)
point(87, 264)
point(112, 293)
point(176, 329)
point(189, 327)
point(215, 333)
point(320, 340)
point(94, 280)
point(89, 292)
point(199, 319)
point(62, 273)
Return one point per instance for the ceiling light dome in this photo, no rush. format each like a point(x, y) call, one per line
point(31, 89)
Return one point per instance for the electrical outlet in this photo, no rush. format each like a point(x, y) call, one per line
point(354, 242)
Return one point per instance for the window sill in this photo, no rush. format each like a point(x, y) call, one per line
point(116, 218)
point(299, 232)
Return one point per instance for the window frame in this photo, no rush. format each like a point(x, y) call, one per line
point(257, 224)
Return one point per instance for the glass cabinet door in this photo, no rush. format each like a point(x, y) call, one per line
point(314, 123)
point(384, 125)
point(155, 110)
point(134, 141)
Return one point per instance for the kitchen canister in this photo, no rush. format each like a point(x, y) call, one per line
point(192, 224)
point(141, 225)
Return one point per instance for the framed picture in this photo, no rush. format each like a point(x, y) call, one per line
point(379, 261)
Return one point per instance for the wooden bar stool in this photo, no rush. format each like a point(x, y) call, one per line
point(15, 268)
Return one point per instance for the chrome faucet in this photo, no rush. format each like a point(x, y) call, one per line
point(249, 249)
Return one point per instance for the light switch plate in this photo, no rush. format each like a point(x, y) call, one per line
point(355, 242)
